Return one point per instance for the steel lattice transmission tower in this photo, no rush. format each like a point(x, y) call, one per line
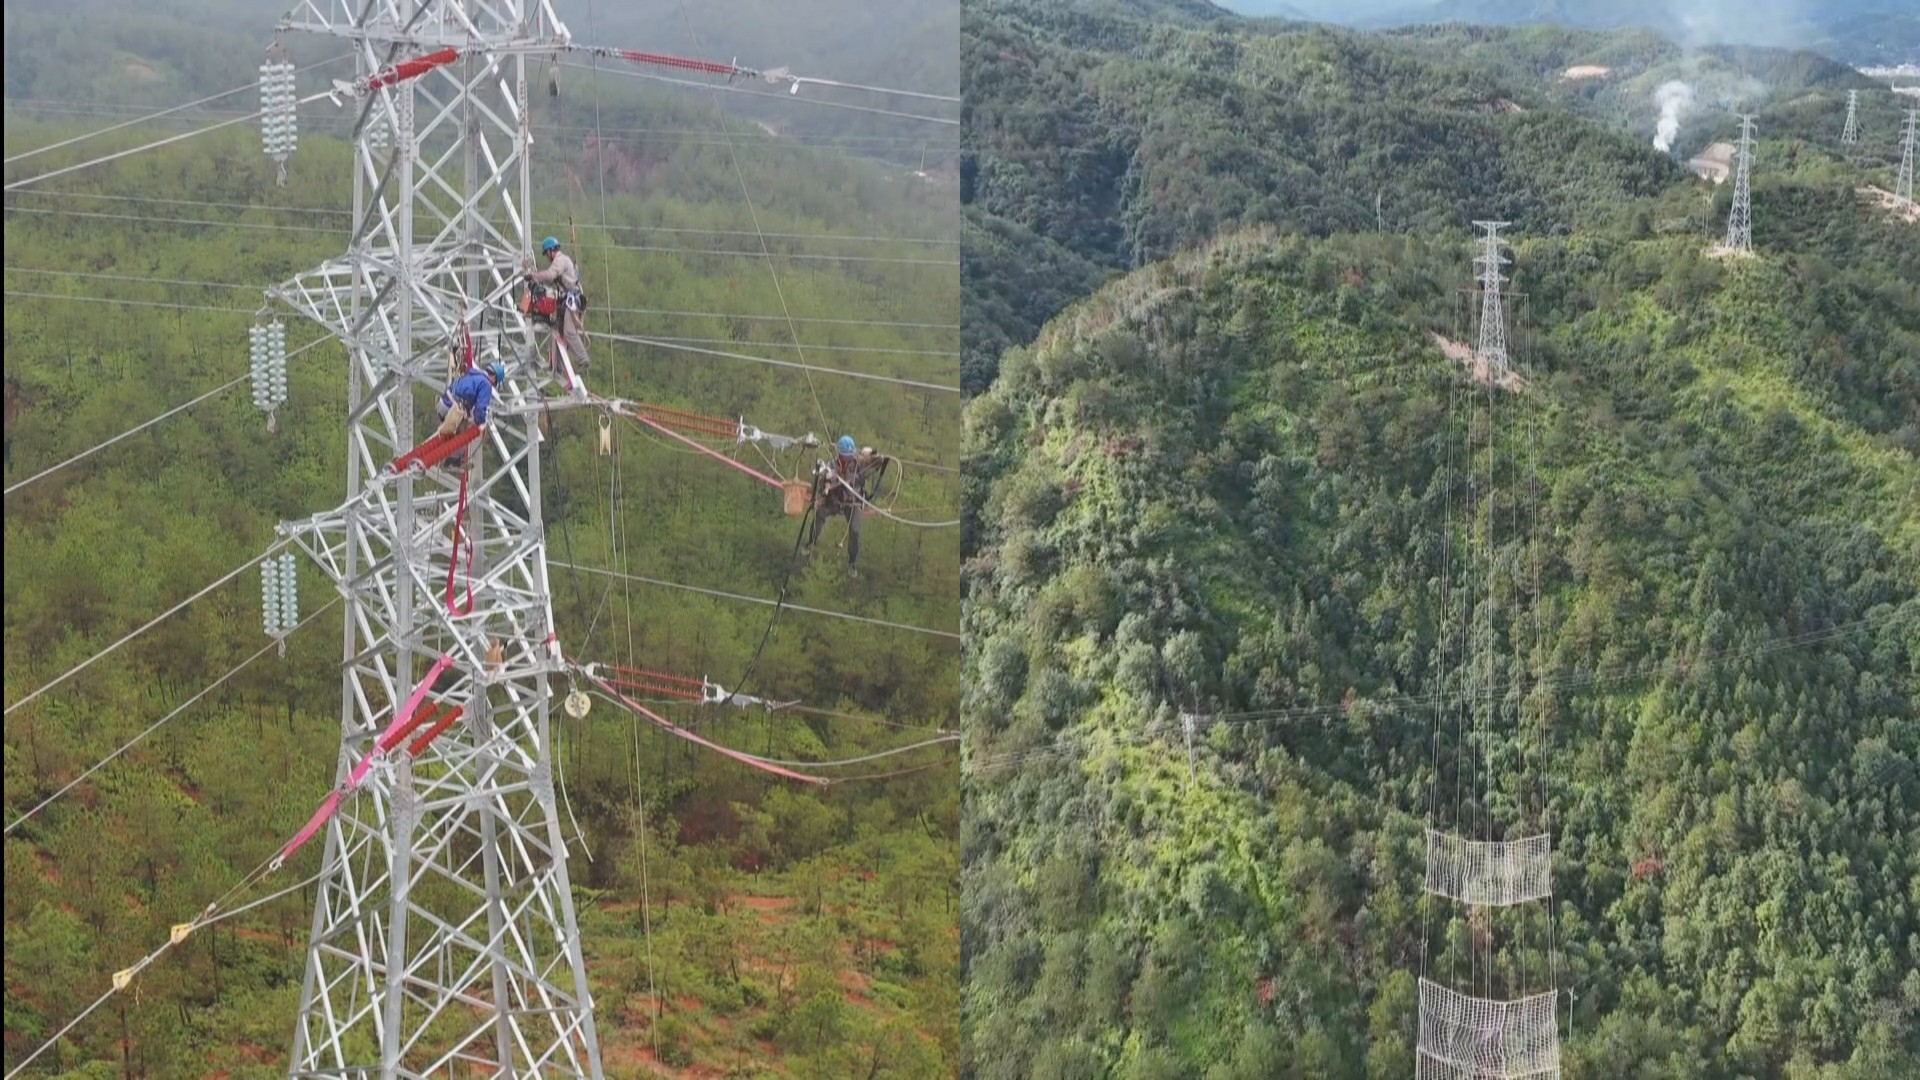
point(1851, 133)
point(1492, 865)
point(444, 938)
point(1492, 350)
point(1740, 219)
point(1903, 187)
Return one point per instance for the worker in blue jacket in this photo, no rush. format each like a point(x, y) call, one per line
point(467, 401)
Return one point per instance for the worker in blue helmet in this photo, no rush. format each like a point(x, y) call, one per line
point(562, 275)
point(467, 402)
point(847, 486)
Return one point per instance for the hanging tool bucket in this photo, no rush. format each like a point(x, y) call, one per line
point(798, 493)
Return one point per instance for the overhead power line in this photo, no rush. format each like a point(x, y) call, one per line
point(137, 429)
point(156, 621)
point(707, 136)
point(865, 238)
point(649, 76)
point(671, 312)
point(660, 343)
point(163, 721)
point(155, 145)
point(277, 226)
point(254, 85)
point(723, 594)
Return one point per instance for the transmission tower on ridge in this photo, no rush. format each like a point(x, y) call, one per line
point(1851, 133)
point(1490, 355)
point(444, 936)
point(1903, 187)
point(1491, 863)
point(1740, 219)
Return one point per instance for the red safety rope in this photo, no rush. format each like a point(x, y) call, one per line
point(403, 718)
point(746, 759)
point(453, 560)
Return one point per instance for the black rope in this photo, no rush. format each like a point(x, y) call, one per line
point(566, 537)
point(786, 580)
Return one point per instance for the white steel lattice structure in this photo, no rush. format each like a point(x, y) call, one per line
point(444, 938)
point(1463, 1037)
point(1470, 1038)
point(1491, 873)
point(1491, 355)
point(1851, 133)
point(1903, 187)
point(1740, 218)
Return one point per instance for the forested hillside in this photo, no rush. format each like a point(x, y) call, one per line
point(1851, 31)
point(1235, 484)
point(750, 928)
point(1122, 139)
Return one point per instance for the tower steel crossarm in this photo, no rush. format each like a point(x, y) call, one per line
point(444, 935)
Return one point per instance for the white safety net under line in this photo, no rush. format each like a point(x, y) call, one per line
point(1470, 1038)
point(1493, 873)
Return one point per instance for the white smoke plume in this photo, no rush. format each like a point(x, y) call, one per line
point(1674, 98)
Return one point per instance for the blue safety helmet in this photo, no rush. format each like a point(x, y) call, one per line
point(846, 445)
point(549, 245)
point(498, 372)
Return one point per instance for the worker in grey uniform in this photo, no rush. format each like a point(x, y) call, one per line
point(565, 278)
point(847, 491)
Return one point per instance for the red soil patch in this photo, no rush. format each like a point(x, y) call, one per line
point(768, 909)
point(1462, 354)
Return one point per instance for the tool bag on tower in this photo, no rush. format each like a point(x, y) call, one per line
point(538, 302)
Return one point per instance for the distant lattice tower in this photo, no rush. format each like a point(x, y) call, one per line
point(1903, 187)
point(1491, 353)
point(444, 938)
point(1851, 133)
point(1740, 219)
